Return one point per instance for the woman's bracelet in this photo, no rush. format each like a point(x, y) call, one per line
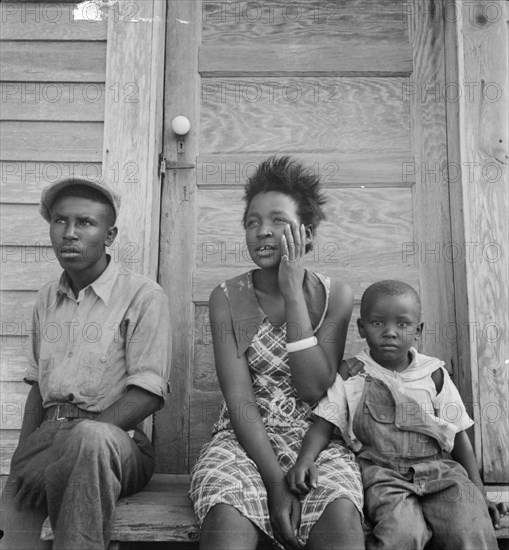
point(299, 345)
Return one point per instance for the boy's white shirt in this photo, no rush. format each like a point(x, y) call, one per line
point(447, 408)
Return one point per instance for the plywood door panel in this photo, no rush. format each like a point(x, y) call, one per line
point(312, 85)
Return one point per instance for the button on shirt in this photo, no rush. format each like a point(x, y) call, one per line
point(88, 350)
point(343, 397)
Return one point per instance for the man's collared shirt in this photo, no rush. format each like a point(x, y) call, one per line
point(88, 350)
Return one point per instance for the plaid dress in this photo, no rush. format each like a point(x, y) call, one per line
point(224, 473)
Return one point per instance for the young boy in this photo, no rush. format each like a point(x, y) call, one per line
point(98, 367)
point(400, 412)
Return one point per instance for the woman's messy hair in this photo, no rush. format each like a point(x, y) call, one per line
point(288, 176)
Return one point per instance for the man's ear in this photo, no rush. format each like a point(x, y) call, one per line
point(111, 236)
point(360, 328)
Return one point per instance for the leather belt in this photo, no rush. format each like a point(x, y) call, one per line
point(67, 411)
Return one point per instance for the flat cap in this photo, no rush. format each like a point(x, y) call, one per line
point(50, 192)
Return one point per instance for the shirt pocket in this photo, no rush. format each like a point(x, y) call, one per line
point(92, 377)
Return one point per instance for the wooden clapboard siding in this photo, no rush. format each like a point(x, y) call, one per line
point(69, 101)
point(21, 182)
point(46, 21)
point(47, 61)
point(51, 141)
point(52, 95)
point(12, 362)
point(479, 42)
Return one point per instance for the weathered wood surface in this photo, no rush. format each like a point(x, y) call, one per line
point(21, 182)
point(162, 512)
point(354, 115)
point(368, 235)
point(485, 60)
point(13, 359)
point(178, 228)
point(430, 194)
point(9, 441)
point(51, 21)
point(13, 397)
point(133, 124)
point(31, 271)
point(454, 74)
point(26, 61)
point(51, 141)
point(304, 21)
point(334, 169)
point(68, 101)
point(16, 309)
point(352, 57)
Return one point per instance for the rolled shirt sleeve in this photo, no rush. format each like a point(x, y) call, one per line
point(148, 344)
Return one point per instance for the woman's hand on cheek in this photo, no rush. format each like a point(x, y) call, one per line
point(293, 248)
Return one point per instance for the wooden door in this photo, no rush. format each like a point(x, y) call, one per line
point(350, 87)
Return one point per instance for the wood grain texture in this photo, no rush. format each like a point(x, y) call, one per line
point(204, 412)
point(296, 115)
point(21, 182)
point(454, 73)
point(53, 101)
point(133, 124)
point(304, 22)
point(430, 193)
point(13, 397)
point(16, 312)
point(9, 442)
point(485, 60)
point(13, 358)
point(30, 269)
point(334, 169)
point(23, 225)
point(178, 226)
point(39, 61)
point(368, 236)
point(350, 56)
point(161, 512)
point(51, 141)
point(46, 21)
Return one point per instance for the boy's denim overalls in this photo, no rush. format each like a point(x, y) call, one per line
point(413, 494)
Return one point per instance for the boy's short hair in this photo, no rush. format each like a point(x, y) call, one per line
point(288, 176)
point(79, 187)
point(389, 287)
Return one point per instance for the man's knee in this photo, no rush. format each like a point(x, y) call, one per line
point(92, 435)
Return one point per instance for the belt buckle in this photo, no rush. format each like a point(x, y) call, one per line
point(58, 414)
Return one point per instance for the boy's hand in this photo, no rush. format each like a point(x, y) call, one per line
point(497, 511)
point(303, 476)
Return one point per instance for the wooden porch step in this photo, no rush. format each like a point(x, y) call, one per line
point(162, 512)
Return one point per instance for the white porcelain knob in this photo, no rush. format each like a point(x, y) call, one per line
point(180, 125)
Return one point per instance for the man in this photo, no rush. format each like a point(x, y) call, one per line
point(99, 366)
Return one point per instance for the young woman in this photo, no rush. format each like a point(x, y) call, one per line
point(279, 333)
